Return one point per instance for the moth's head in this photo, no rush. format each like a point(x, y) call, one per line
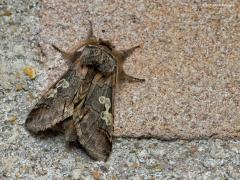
point(107, 44)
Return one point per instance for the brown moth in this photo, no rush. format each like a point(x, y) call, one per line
point(81, 102)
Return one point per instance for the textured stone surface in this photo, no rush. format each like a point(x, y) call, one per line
point(141, 159)
point(23, 156)
point(189, 58)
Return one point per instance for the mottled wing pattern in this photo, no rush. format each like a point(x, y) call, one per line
point(57, 104)
point(93, 114)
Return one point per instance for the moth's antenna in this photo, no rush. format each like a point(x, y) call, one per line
point(90, 31)
point(126, 53)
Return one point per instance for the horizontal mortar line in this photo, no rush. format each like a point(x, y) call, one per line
point(171, 139)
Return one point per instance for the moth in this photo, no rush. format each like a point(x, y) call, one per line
point(81, 103)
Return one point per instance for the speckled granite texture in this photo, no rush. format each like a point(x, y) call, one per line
point(131, 159)
point(23, 156)
point(189, 58)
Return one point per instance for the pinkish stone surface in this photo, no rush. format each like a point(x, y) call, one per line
point(190, 59)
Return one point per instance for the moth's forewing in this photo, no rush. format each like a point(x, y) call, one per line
point(93, 129)
point(57, 104)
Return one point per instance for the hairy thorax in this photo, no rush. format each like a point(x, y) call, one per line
point(99, 57)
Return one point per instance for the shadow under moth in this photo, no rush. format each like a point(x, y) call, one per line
point(81, 103)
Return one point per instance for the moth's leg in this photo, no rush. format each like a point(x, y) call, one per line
point(125, 77)
point(91, 39)
point(122, 76)
point(127, 52)
point(66, 55)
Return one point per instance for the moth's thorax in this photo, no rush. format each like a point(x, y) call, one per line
point(100, 58)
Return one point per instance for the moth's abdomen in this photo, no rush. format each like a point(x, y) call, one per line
point(99, 58)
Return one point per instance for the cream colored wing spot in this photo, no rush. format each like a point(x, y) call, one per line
point(102, 99)
point(52, 93)
point(62, 83)
point(106, 115)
